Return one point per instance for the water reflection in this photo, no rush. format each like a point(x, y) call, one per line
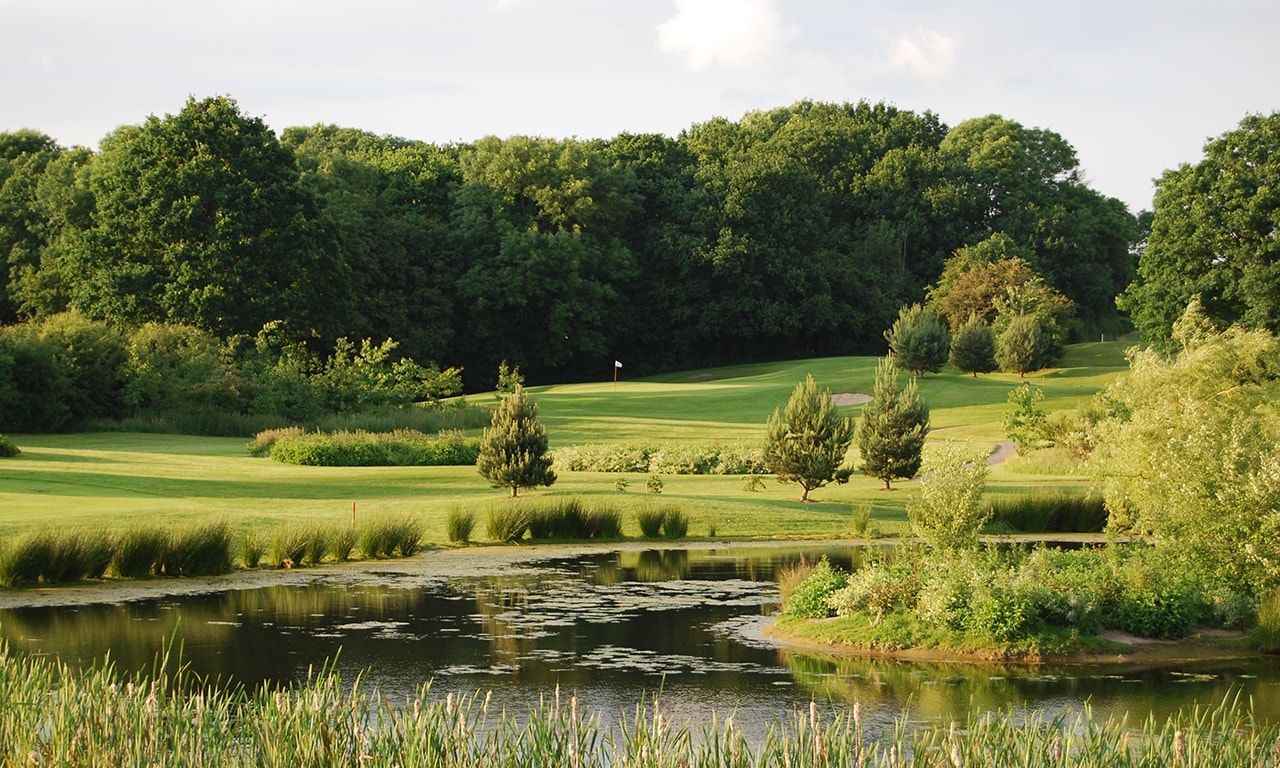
point(612, 627)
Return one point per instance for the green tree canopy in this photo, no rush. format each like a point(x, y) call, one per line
point(918, 340)
point(1189, 451)
point(973, 347)
point(807, 443)
point(1213, 233)
point(513, 450)
point(893, 428)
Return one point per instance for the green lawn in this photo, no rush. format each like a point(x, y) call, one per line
point(117, 480)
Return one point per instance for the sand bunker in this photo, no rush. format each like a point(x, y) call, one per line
point(851, 398)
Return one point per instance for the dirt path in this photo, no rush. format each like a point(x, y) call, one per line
point(1004, 449)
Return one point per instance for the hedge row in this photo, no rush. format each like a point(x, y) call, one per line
point(738, 459)
point(401, 448)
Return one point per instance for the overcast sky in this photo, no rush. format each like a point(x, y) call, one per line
point(1136, 86)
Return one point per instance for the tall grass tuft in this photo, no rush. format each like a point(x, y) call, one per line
point(288, 546)
point(791, 576)
point(391, 536)
point(675, 525)
point(201, 550)
point(666, 521)
point(140, 552)
point(1266, 635)
point(507, 522)
point(460, 524)
point(650, 521)
point(252, 549)
point(342, 543)
point(319, 539)
point(572, 519)
point(1049, 512)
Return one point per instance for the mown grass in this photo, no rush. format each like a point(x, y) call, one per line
point(134, 479)
point(55, 715)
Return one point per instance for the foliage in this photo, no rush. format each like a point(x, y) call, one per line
point(140, 553)
point(973, 347)
point(460, 524)
point(1025, 422)
point(731, 459)
point(811, 598)
point(8, 448)
point(200, 550)
point(320, 721)
point(975, 276)
point(807, 444)
point(403, 448)
point(894, 424)
point(1265, 636)
point(509, 380)
point(918, 340)
point(949, 511)
point(1213, 234)
point(1190, 452)
point(654, 484)
point(1048, 512)
point(1020, 346)
point(513, 451)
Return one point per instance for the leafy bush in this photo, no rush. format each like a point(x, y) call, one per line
point(811, 599)
point(949, 511)
point(265, 440)
point(372, 449)
point(459, 525)
point(738, 459)
point(878, 588)
point(8, 449)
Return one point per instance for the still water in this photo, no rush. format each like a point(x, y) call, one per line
point(611, 627)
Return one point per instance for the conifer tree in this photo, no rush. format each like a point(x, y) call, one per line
point(807, 444)
point(893, 427)
point(513, 451)
point(973, 347)
point(918, 340)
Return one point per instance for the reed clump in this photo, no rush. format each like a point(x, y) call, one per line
point(168, 717)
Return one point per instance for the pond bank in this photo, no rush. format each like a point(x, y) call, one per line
point(1115, 648)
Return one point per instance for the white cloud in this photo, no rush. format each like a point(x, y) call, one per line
point(735, 34)
point(926, 52)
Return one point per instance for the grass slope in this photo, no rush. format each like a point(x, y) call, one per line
point(117, 480)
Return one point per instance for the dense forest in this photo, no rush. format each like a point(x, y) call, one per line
point(796, 231)
point(203, 237)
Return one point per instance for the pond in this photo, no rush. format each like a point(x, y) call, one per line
point(612, 627)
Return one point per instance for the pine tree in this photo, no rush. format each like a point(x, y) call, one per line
point(918, 340)
point(973, 347)
point(513, 451)
point(893, 427)
point(807, 444)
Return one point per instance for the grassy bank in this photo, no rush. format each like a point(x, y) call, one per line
point(52, 715)
point(125, 479)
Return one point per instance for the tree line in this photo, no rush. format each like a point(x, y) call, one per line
point(795, 231)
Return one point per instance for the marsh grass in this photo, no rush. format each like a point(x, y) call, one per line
point(140, 551)
point(791, 576)
point(169, 716)
point(342, 542)
point(287, 547)
point(1266, 635)
point(650, 521)
point(201, 550)
point(675, 524)
point(252, 549)
point(666, 521)
point(572, 518)
point(507, 522)
point(1048, 512)
point(460, 524)
point(386, 536)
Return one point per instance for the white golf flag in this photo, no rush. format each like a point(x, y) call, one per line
point(617, 364)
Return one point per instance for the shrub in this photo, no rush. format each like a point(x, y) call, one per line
point(8, 449)
point(404, 447)
point(878, 588)
point(460, 524)
point(654, 484)
point(140, 552)
point(508, 522)
point(735, 459)
point(265, 440)
point(949, 511)
point(811, 598)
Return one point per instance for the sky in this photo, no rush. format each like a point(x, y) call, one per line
point(1136, 86)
